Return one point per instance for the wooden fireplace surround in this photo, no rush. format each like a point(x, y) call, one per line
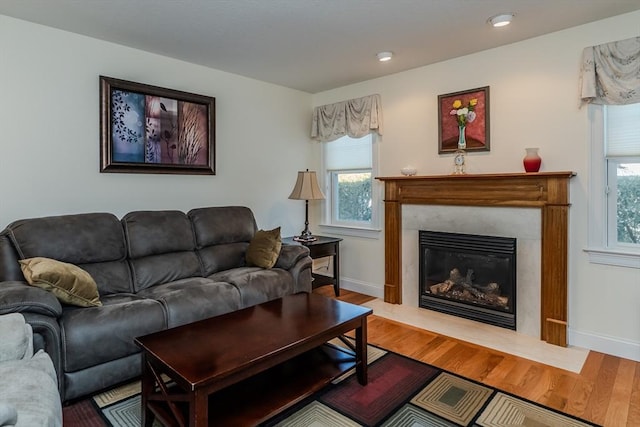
point(547, 191)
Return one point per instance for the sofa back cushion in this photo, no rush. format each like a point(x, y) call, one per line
point(222, 236)
point(161, 247)
point(93, 241)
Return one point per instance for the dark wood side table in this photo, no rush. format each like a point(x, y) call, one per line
point(320, 248)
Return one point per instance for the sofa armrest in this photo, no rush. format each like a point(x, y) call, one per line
point(47, 337)
point(296, 260)
point(41, 310)
point(290, 255)
point(19, 297)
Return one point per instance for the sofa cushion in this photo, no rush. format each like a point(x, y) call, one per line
point(222, 236)
point(157, 232)
point(95, 335)
point(222, 257)
point(196, 298)
point(257, 285)
point(153, 270)
point(219, 225)
point(161, 247)
point(264, 248)
point(69, 283)
point(77, 239)
point(111, 277)
point(82, 239)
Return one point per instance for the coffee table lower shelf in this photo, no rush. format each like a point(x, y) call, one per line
point(267, 394)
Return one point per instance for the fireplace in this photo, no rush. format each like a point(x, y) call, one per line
point(470, 276)
point(546, 191)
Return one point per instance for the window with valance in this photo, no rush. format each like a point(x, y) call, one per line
point(349, 131)
point(610, 82)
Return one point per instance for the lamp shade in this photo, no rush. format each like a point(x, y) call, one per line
point(307, 187)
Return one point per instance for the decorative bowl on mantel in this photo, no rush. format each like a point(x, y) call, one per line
point(408, 171)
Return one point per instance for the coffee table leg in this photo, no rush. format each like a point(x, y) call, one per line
point(361, 352)
point(199, 409)
point(147, 389)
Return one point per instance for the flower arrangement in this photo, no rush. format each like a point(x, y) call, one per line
point(464, 114)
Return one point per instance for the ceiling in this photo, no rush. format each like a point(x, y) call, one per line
point(311, 45)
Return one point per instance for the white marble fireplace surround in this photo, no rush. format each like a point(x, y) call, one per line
point(522, 223)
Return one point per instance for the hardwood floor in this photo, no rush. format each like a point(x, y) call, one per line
point(606, 391)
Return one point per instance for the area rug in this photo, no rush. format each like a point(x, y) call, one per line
point(400, 392)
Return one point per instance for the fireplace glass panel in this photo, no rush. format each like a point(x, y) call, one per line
point(470, 276)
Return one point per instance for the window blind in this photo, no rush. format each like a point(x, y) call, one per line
point(622, 131)
point(349, 153)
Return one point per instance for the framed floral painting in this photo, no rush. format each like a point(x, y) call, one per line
point(149, 129)
point(463, 121)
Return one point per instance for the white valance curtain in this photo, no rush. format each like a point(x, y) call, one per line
point(611, 73)
point(355, 117)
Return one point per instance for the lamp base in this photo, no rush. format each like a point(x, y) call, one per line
point(305, 236)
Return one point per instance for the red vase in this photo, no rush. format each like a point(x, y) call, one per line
point(532, 160)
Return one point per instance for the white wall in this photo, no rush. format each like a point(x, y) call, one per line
point(49, 133)
point(534, 103)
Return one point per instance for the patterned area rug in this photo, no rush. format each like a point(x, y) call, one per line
point(401, 392)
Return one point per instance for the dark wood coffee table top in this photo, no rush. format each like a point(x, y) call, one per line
point(211, 354)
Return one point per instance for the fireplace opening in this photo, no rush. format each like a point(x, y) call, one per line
point(470, 276)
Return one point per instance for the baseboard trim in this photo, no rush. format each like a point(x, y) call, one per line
point(605, 344)
point(361, 287)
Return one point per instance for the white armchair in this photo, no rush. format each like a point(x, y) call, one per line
point(28, 387)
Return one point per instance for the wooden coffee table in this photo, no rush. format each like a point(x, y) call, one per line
point(250, 363)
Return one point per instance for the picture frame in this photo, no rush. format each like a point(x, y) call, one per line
point(455, 110)
point(150, 129)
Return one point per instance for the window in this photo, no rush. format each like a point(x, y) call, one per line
point(622, 142)
point(349, 167)
point(614, 220)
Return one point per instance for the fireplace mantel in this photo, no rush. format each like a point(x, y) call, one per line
point(547, 191)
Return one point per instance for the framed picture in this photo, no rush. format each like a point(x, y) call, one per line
point(149, 129)
point(463, 121)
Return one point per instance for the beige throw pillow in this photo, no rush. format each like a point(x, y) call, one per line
point(68, 282)
point(264, 248)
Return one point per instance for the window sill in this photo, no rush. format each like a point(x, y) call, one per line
point(368, 233)
point(614, 257)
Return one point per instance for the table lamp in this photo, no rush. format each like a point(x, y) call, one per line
point(306, 189)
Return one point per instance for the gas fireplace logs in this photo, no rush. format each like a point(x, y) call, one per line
point(462, 288)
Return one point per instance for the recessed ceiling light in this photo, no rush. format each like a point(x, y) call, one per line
point(384, 56)
point(501, 20)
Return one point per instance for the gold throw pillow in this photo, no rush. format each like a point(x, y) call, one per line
point(264, 248)
point(68, 282)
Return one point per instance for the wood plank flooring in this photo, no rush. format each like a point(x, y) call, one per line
point(606, 391)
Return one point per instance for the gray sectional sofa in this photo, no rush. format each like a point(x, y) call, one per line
point(154, 270)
